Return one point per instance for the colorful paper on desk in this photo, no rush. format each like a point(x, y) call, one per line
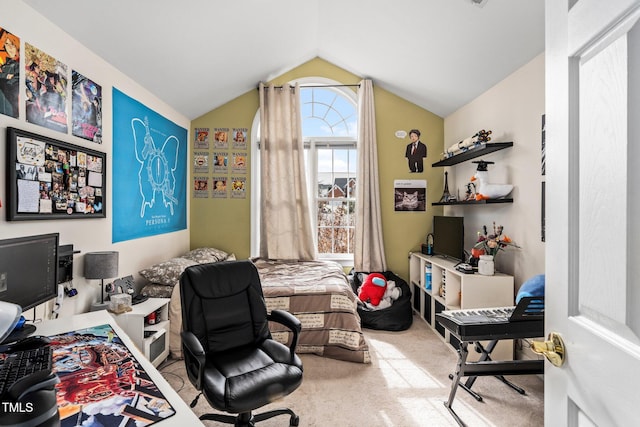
point(101, 383)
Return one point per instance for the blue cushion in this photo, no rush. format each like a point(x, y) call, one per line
point(534, 287)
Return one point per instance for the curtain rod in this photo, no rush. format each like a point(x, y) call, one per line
point(352, 85)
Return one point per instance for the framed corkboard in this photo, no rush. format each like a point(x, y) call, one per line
point(52, 179)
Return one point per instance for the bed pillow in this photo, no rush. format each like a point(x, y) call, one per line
point(167, 272)
point(205, 255)
point(154, 290)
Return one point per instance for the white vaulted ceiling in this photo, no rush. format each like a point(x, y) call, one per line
point(199, 54)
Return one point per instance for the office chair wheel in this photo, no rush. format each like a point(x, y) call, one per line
point(294, 421)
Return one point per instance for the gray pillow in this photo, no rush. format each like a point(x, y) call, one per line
point(167, 272)
point(205, 255)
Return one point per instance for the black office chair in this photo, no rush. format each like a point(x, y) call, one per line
point(228, 351)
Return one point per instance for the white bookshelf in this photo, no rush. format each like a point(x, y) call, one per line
point(151, 339)
point(454, 290)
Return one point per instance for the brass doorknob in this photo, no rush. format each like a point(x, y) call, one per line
point(553, 349)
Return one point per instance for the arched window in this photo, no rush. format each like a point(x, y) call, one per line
point(328, 112)
point(329, 129)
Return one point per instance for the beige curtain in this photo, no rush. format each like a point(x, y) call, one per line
point(369, 245)
point(285, 221)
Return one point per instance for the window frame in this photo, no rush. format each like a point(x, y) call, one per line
point(338, 141)
point(313, 144)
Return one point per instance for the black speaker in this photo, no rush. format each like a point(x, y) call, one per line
point(65, 263)
point(427, 248)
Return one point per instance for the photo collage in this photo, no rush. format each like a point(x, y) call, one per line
point(220, 167)
point(57, 178)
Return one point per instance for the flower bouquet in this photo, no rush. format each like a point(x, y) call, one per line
point(491, 244)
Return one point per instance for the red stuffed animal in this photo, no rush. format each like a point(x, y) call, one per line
point(373, 288)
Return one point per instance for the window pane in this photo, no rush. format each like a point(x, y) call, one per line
point(333, 117)
point(319, 110)
point(344, 106)
point(352, 234)
point(352, 213)
point(306, 111)
point(325, 214)
point(325, 240)
point(342, 240)
point(341, 161)
point(305, 96)
point(349, 187)
point(339, 212)
point(324, 96)
point(325, 160)
point(352, 161)
point(316, 127)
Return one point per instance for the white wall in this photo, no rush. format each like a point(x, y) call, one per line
point(86, 235)
point(512, 109)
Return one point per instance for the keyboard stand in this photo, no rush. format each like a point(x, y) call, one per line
point(475, 333)
point(486, 368)
point(485, 356)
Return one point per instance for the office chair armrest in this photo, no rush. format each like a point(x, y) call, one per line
point(290, 321)
point(195, 358)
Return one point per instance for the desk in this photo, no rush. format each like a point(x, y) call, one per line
point(183, 416)
point(468, 334)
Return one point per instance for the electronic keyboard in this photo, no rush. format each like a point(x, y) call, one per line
point(520, 321)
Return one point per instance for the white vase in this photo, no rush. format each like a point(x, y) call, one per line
point(486, 266)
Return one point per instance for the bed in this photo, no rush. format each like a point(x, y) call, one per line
point(317, 292)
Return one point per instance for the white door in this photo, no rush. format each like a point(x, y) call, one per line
point(593, 211)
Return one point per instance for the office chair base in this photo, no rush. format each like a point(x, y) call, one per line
point(247, 419)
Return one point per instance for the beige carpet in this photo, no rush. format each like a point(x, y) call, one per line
point(405, 385)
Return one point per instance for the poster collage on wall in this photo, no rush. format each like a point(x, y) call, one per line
point(52, 177)
point(46, 91)
point(220, 166)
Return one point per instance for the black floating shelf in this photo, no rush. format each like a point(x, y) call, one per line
point(489, 147)
point(473, 202)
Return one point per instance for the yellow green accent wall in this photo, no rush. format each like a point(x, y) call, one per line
point(225, 223)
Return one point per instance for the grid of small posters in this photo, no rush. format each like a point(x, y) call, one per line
point(202, 138)
point(220, 173)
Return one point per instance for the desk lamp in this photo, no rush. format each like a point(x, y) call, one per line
point(100, 265)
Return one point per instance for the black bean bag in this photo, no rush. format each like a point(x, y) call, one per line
point(397, 317)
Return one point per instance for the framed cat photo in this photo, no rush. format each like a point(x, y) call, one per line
point(410, 195)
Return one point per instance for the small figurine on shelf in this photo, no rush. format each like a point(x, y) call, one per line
point(446, 196)
point(470, 194)
point(486, 190)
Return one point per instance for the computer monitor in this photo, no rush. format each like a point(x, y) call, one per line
point(29, 269)
point(448, 237)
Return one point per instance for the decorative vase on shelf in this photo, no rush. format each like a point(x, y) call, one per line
point(486, 266)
